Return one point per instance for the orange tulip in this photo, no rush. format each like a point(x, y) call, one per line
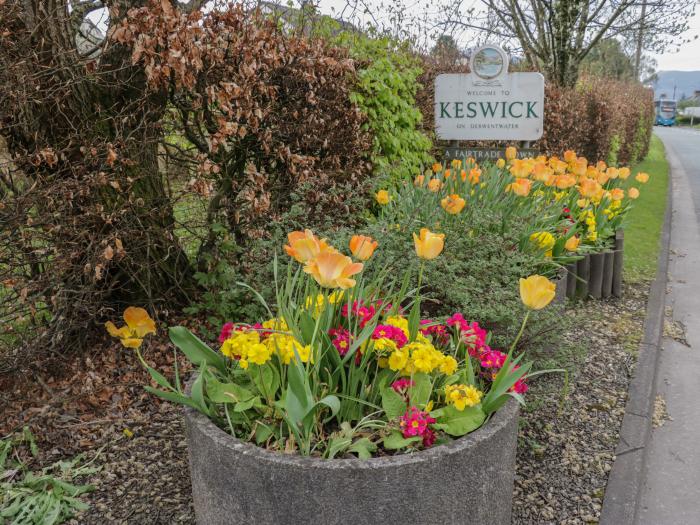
point(362, 247)
point(633, 193)
point(138, 325)
point(617, 194)
point(520, 187)
point(437, 167)
point(474, 175)
point(642, 177)
point(453, 204)
point(419, 180)
point(521, 168)
point(434, 185)
point(429, 245)
point(565, 181)
point(570, 156)
point(333, 270)
point(623, 173)
point(304, 246)
point(589, 188)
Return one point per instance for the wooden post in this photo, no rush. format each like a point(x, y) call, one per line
point(618, 262)
point(583, 272)
point(608, 273)
point(571, 280)
point(595, 284)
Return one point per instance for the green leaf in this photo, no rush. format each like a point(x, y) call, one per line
point(195, 349)
point(262, 432)
point(173, 397)
point(363, 447)
point(460, 422)
point(419, 394)
point(246, 405)
point(393, 403)
point(395, 441)
point(227, 392)
point(266, 378)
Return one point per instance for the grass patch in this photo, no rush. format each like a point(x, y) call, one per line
point(646, 218)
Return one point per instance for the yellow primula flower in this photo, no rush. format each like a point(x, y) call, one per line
point(462, 396)
point(398, 360)
point(448, 365)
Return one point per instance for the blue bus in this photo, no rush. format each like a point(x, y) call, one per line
point(665, 112)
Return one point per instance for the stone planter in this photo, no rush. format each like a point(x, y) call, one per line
point(467, 481)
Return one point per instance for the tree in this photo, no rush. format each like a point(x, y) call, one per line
point(446, 49)
point(608, 59)
point(556, 36)
point(253, 115)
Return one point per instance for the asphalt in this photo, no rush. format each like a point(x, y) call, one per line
point(670, 489)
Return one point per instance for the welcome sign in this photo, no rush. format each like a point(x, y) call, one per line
point(489, 103)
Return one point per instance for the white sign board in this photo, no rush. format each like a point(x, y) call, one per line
point(489, 103)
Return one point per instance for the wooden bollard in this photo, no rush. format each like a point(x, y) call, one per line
point(571, 280)
point(560, 283)
point(583, 272)
point(618, 262)
point(595, 283)
point(608, 273)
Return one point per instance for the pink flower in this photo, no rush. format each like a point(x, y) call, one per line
point(520, 387)
point(415, 423)
point(402, 385)
point(387, 331)
point(226, 331)
point(493, 359)
point(472, 335)
point(437, 331)
point(364, 313)
point(341, 339)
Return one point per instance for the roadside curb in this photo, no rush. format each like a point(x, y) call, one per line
point(622, 494)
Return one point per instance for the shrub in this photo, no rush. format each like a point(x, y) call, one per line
point(386, 90)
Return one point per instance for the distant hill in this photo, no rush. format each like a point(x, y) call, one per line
point(685, 83)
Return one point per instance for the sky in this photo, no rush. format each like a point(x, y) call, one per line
point(685, 59)
point(688, 58)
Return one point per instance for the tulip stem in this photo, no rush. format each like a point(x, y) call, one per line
point(520, 333)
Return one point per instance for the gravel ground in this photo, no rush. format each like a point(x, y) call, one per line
point(565, 450)
point(568, 434)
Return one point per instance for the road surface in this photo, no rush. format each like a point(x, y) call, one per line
point(671, 493)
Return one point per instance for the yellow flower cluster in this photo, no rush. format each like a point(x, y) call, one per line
point(463, 396)
point(544, 241)
point(248, 346)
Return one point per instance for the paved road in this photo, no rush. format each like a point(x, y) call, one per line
point(671, 495)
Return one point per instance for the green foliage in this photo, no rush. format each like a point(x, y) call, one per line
point(386, 90)
point(646, 217)
point(47, 497)
point(615, 144)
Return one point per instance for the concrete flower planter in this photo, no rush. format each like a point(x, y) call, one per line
point(468, 481)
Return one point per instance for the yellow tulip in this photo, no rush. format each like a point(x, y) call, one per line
point(642, 177)
point(453, 204)
point(623, 173)
point(333, 270)
point(511, 152)
point(500, 163)
point(572, 243)
point(633, 193)
point(536, 292)
point(362, 247)
point(383, 197)
point(456, 164)
point(564, 181)
point(429, 245)
point(304, 246)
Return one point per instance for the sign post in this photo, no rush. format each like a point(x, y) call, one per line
point(489, 103)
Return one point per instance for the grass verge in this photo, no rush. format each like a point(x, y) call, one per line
point(645, 220)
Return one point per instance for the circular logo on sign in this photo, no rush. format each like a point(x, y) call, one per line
point(489, 62)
